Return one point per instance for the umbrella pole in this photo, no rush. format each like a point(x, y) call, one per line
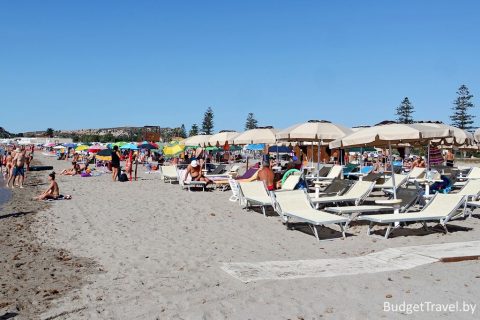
point(312, 155)
point(393, 172)
point(318, 156)
point(428, 157)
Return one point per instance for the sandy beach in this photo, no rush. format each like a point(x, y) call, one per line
point(150, 250)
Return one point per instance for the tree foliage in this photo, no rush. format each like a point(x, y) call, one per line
point(193, 130)
point(49, 132)
point(182, 132)
point(404, 111)
point(461, 117)
point(207, 123)
point(251, 122)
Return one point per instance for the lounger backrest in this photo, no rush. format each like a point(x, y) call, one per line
point(181, 176)
point(339, 186)
point(291, 182)
point(408, 196)
point(335, 172)
point(324, 171)
point(234, 168)
point(169, 171)
point(218, 169)
point(253, 189)
point(360, 190)
point(399, 180)
point(444, 204)
point(471, 188)
point(292, 201)
point(373, 177)
point(474, 173)
point(366, 170)
point(416, 173)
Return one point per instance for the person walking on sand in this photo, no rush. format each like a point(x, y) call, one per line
point(115, 163)
point(53, 191)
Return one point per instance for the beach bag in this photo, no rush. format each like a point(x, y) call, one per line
point(123, 177)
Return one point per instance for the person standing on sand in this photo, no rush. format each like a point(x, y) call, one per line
point(18, 169)
point(450, 158)
point(115, 163)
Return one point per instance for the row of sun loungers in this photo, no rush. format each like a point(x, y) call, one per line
point(297, 205)
point(342, 200)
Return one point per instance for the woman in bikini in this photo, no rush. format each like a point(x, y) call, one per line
point(53, 192)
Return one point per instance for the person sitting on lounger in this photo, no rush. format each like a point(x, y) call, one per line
point(53, 192)
point(267, 176)
point(195, 171)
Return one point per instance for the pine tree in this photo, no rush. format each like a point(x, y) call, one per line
point(49, 132)
point(193, 130)
point(207, 123)
point(461, 118)
point(251, 122)
point(182, 132)
point(404, 111)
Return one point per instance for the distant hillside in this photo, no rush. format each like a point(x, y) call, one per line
point(109, 134)
point(5, 134)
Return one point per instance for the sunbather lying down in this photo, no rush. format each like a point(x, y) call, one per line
point(195, 171)
point(72, 171)
point(53, 192)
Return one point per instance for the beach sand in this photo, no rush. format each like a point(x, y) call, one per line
point(32, 274)
point(155, 252)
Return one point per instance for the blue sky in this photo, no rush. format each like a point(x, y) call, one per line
point(89, 64)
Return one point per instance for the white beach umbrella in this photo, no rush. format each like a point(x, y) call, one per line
point(260, 135)
point(222, 137)
point(314, 130)
point(196, 141)
point(477, 135)
point(458, 137)
point(388, 134)
point(394, 133)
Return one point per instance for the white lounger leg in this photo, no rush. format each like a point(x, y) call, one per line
point(263, 210)
point(369, 229)
point(389, 229)
point(315, 231)
point(343, 228)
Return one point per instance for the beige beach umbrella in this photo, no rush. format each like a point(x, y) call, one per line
point(476, 135)
point(391, 134)
point(221, 138)
point(313, 130)
point(458, 137)
point(196, 141)
point(259, 135)
point(319, 131)
point(395, 133)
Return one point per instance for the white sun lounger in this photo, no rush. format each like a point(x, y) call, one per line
point(416, 173)
point(189, 183)
point(472, 175)
point(471, 189)
point(254, 194)
point(442, 208)
point(169, 173)
point(334, 172)
point(400, 180)
point(291, 182)
point(356, 194)
point(296, 205)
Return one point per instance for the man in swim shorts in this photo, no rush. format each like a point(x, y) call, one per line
point(267, 176)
